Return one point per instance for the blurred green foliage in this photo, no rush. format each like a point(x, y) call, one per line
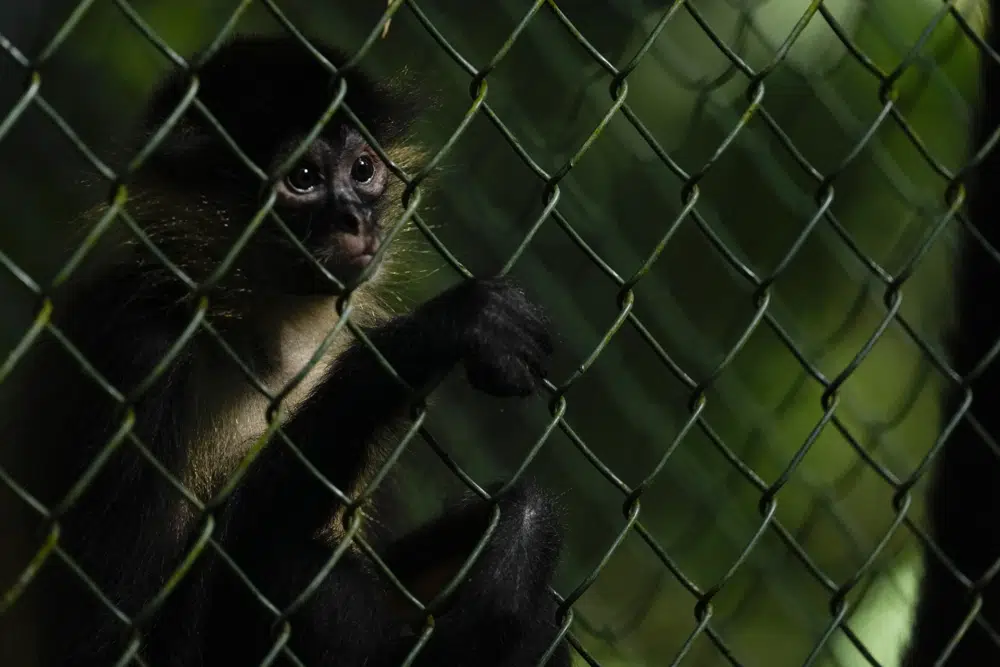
point(775, 277)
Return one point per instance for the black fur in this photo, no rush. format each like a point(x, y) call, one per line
point(964, 504)
point(130, 529)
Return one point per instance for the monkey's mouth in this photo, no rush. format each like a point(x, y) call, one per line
point(362, 260)
point(358, 250)
point(350, 254)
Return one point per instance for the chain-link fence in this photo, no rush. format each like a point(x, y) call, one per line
point(721, 204)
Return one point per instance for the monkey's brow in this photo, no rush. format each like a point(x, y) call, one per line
point(352, 138)
point(317, 150)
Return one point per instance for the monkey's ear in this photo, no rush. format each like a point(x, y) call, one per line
point(187, 153)
point(406, 99)
point(164, 98)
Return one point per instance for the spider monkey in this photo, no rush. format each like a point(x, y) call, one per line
point(129, 528)
point(964, 499)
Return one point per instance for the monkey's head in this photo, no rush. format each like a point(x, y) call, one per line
point(268, 93)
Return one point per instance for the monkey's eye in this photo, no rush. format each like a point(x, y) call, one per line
point(363, 169)
point(303, 179)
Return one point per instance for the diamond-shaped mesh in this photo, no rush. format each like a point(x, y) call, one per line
point(742, 217)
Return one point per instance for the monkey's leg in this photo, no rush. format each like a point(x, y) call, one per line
point(503, 602)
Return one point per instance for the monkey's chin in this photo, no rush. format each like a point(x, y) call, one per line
point(348, 270)
point(361, 262)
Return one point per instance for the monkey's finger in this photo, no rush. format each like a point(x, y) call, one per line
point(533, 321)
point(506, 377)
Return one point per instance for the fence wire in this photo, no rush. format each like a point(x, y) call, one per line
point(699, 381)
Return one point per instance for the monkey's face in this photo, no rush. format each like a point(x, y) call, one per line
point(331, 201)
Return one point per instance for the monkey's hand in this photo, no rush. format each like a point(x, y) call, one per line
point(501, 337)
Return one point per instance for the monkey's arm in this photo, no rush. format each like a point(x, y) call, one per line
point(964, 493)
point(488, 325)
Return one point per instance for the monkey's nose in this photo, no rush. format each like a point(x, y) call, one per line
point(351, 222)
